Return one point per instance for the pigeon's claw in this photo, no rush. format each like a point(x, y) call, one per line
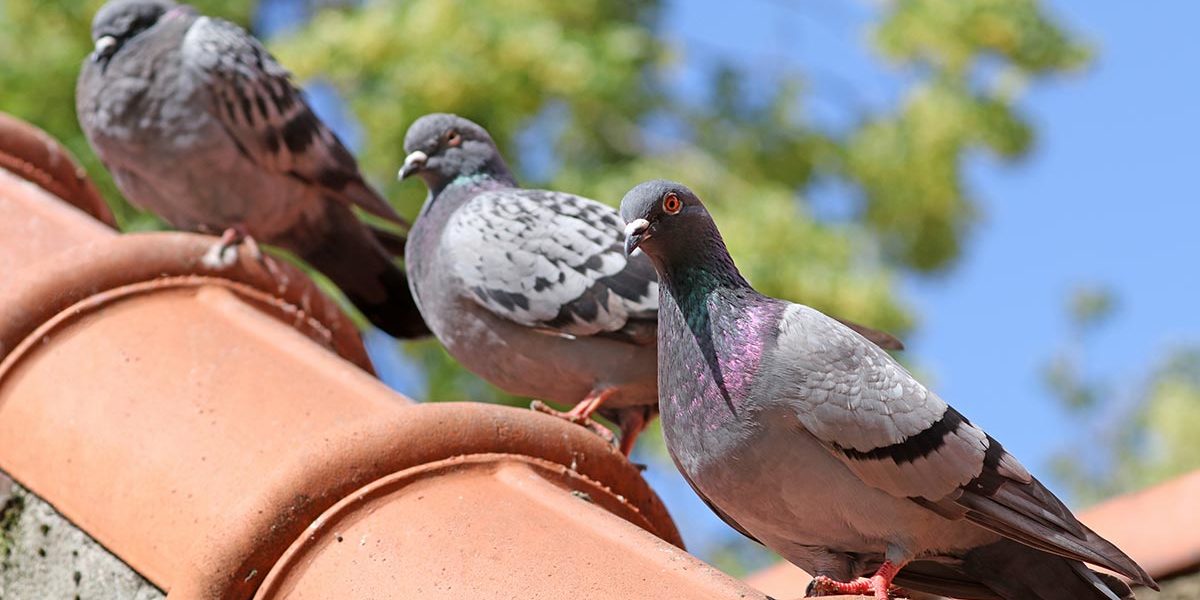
point(265, 260)
point(879, 585)
point(252, 246)
point(824, 586)
point(223, 253)
point(587, 422)
point(582, 413)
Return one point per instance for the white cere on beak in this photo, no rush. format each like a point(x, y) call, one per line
point(415, 159)
point(104, 43)
point(636, 226)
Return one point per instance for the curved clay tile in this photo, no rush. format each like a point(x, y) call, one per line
point(33, 154)
point(220, 433)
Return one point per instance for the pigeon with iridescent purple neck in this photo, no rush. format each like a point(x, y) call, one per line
point(802, 435)
point(530, 289)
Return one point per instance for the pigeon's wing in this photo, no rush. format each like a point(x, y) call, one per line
point(552, 262)
point(266, 116)
point(899, 437)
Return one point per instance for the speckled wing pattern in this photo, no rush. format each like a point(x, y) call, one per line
point(553, 262)
point(899, 437)
point(266, 116)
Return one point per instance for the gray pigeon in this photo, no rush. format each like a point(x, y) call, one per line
point(530, 289)
point(804, 436)
point(200, 125)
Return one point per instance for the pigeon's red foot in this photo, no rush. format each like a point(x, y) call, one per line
point(581, 414)
point(632, 423)
point(879, 586)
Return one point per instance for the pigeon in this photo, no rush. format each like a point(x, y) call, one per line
point(531, 289)
point(804, 436)
point(200, 125)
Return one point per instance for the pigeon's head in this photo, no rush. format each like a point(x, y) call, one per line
point(442, 147)
point(664, 219)
point(122, 20)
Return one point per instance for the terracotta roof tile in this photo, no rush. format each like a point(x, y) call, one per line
point(213, 430)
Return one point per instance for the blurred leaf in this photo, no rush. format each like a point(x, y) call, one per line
point(1091, 306)
point(1062, 377)
point(1132, 438)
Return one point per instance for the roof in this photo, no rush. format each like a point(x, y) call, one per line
point(221, 433)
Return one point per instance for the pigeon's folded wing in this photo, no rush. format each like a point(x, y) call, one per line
point(267, 117)
point(899, 437)
point(553, 262)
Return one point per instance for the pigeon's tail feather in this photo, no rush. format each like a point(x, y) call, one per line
point(944, 579)
point(349, 254)
point(397, 314)
point(1030, 514)
point(392, 242)
point(1015, 571)
point(365, 197)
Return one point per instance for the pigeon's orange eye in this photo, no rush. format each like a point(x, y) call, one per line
point(453, 138)
point(672, 204)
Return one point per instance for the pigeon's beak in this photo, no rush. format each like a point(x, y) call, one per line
point(105, 46)
point(635, 234)
point(414, 162)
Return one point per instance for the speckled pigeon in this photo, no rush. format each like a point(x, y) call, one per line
point(804, 436)
point(200, 125)
point(530, 289)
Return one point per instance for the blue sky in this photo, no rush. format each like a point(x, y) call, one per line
point(1108, 196)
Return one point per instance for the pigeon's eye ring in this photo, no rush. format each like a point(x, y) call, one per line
point(671, 204)
point(453, 138)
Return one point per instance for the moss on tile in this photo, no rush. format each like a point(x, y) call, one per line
point(10, 516)
point(45, 556)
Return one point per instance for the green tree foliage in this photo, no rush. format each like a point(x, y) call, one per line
point(909, 162)
point(579, 81)
point(570, 90)
point(1135, 437)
